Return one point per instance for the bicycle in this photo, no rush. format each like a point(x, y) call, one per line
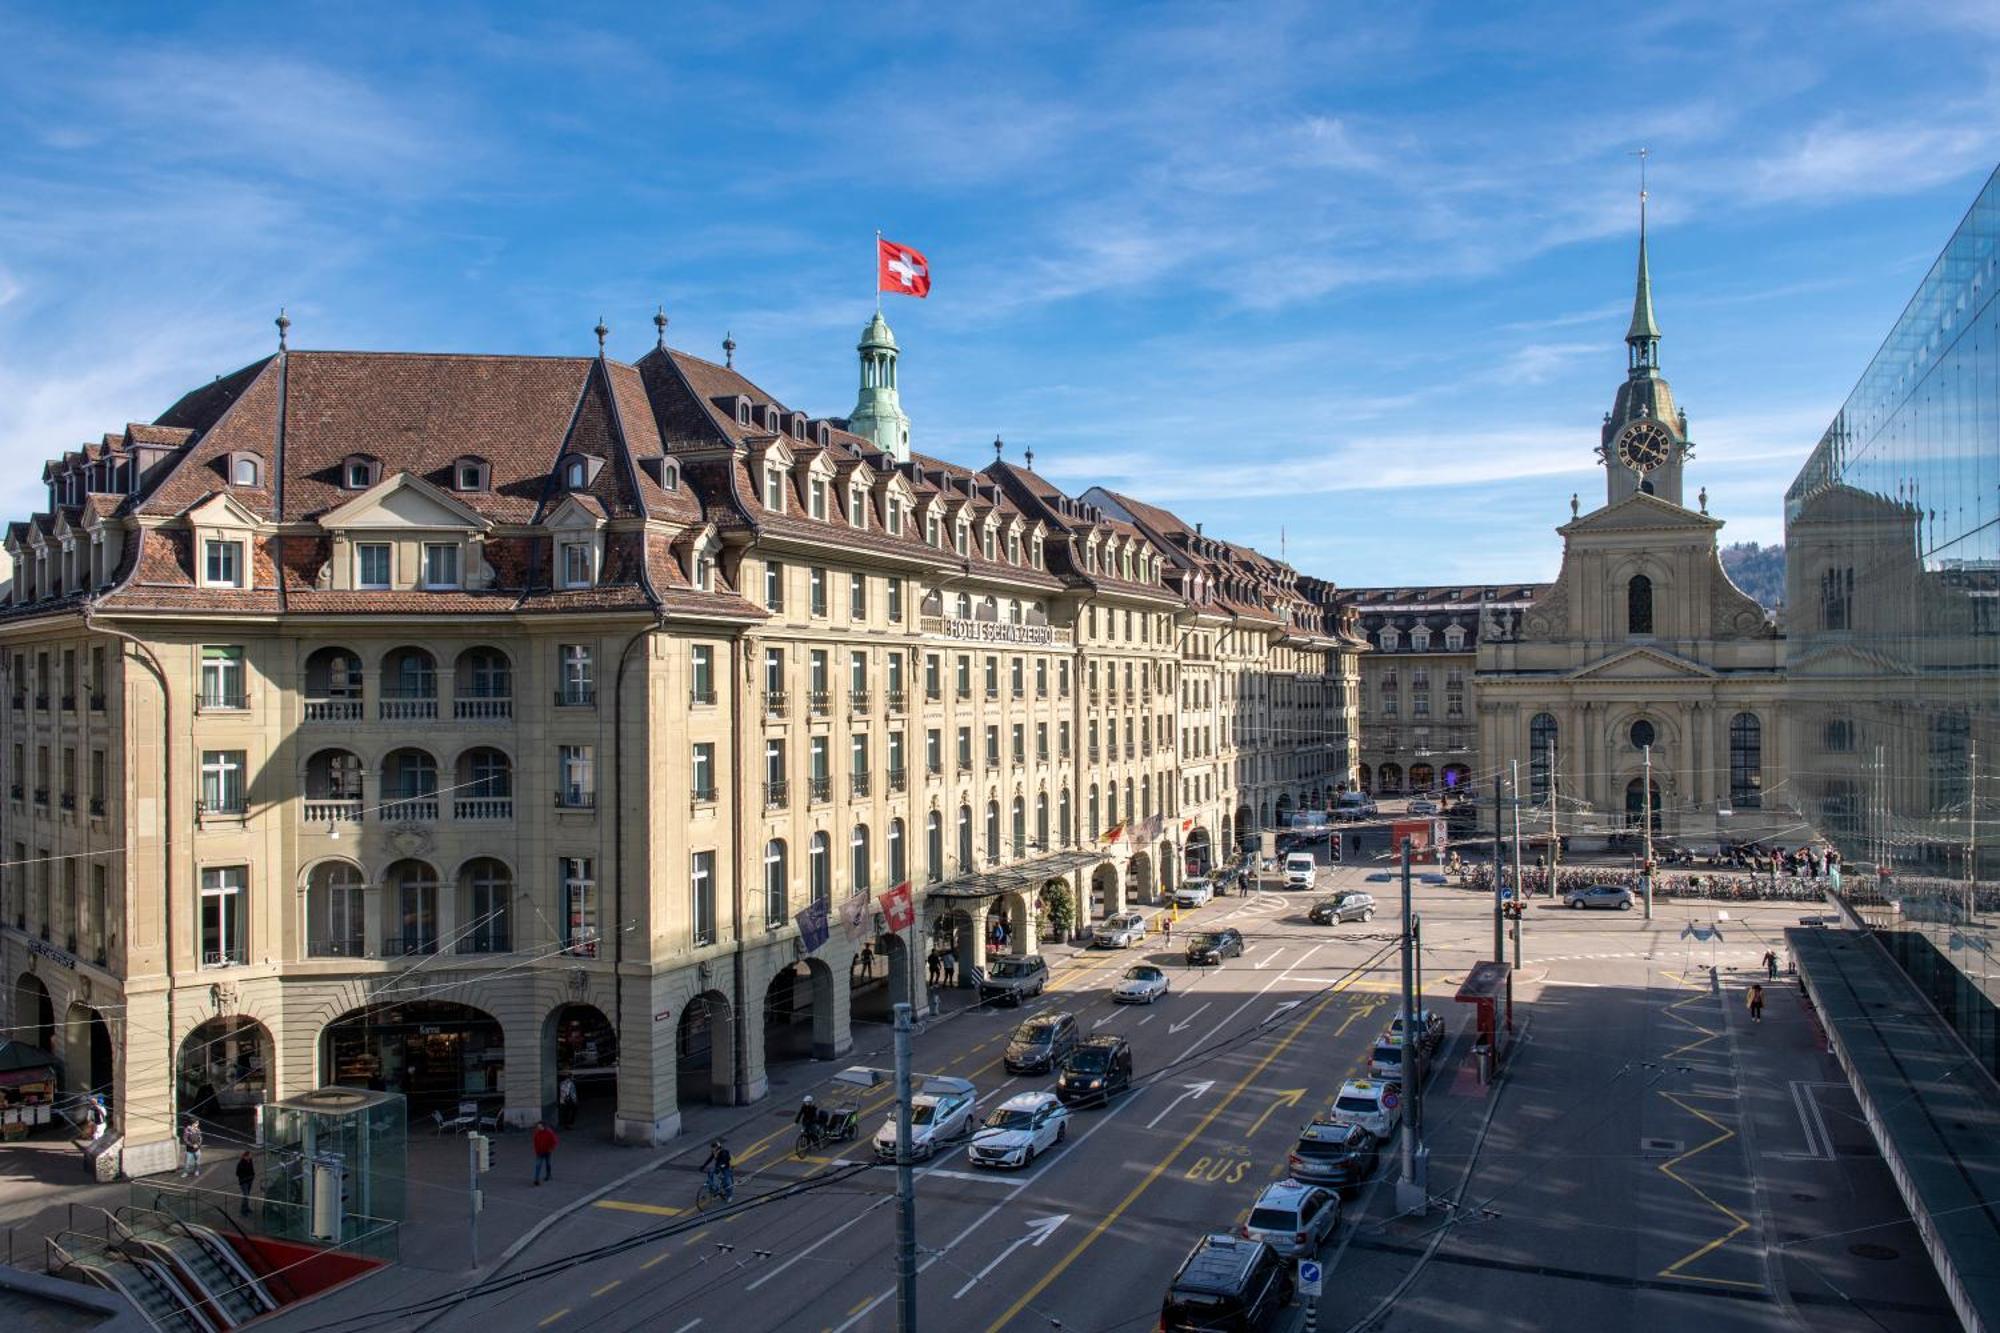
point(710, 1193)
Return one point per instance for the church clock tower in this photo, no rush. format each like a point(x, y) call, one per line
point(1645, 437)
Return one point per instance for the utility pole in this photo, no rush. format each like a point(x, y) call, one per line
point(1646, 827)
point(1555, 840)
point(1499, 939)
point(1411, 1191)
point(906, 1183)
point(1971, 830)
point(1519, 887)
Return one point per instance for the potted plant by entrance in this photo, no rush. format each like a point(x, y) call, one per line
point(1057, 911)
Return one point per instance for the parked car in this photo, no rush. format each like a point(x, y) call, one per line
point(1193, 893)
point(1118, 932)
point(1354, 805)
point(1600, 895)
point(1350, 906)
point(940, 1110)
point(1019, 1130)
point(1142, 983)
point(1375, 1106)
point(1385, 1058)
point(1227, 1282)
point(1097, 1068)
point(1212, 946)
point(1430, 1023)
point(1332, 1153)
point(1013, 979)
point(1040, 1043)
point(1293, 1218)
point(1423, 806)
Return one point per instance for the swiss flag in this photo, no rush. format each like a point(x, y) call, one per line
point(897, 910)
point(900, 269)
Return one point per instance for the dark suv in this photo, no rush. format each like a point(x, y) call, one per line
point(1093, 1071)
point(1333, 1154)
point(1213, 946)
point(1039, 1044)
point(1228, 1283)
point(1014, 978)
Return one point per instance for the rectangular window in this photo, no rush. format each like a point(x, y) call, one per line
point(1042, 742)
point(818, 588)
point(774, 490)
point(99, 782)
point(100, 909)
point(992, 677)
point(964, 676)
point(774, 586)
point(223, 916)
point(1017, 679)
point(965, 747)
point(933, 751)
point(857, 596)
point(701, 674)
point(895, 601)
point(579, 890)
point(1062, 739)
point(703, 772)
point(371, 565)
point(440, 565)
point(774, 673)
point(1062, 678)
point(576, 772)
point(702, 897)
point(1041, 678)
point(222, 676)
point(222, 564)
point(933, 677)
point(857, 507)
point(895, 680)
point(576, 565)
point(857, 672)
point(993, 747)
point(1020, 739)
point(222, 785)
point(579, 688)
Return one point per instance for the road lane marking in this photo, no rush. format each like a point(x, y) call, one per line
point(552, 1318)
point(1188, 1022)
point(606, 1287)
point(859, 1308)
point(1279, 1097)
point(1061, 1265)
point(661, 1257)
point(650, 1209)
point(1195, 1090)
point(1039, 1230)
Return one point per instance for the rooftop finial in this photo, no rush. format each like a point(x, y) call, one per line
point(997, 448)
point(1029, 454)
point(660, 323)
point(1702, 495)
point(284, 327)
point(602, 333)
point(1643, 337)
point(729, 350)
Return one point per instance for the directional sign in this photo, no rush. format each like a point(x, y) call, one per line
point(1309, 1276)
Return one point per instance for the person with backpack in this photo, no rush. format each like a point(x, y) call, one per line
point(1756, 1003)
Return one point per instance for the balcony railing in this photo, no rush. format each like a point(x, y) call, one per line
point(68, 800)
point(819, 789)
point(41, 796)
point(774, 703)
point(1095, 754)
point(964, 692)
point(332, 811)
point(704, 795)
point(820, 702)
point(777, 795)
point(406, 707)
point(18, 792)
point(935, 770)
point(899, 779)
point(992, 693)
point(575, 798)
point(482, 807)
point(333, 710)
point(577, 696)
point(858, 784)
point(209, 701)
point(857, 701)
point(895, 700)
point(411, 810)
point(702, 698)
point(353, 946)
point(482, 708)
point(932, 694)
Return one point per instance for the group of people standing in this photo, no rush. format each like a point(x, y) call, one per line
point(941, 967)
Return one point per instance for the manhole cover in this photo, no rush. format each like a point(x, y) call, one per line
point(1659, 1147)
point(1802, 1197)
point(1866, 1250)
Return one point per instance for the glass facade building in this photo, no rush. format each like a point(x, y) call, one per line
point(1893, 633)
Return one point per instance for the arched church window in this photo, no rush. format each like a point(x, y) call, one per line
point(1639, 605)
point(1746, 762)
point(1542, 733)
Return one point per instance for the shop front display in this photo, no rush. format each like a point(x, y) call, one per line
point(434, 1053)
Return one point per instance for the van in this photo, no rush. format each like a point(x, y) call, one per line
point(1300, 870)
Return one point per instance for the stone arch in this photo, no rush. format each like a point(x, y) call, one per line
point(35, 1012)
point(1284, 809)
point(705, 1050)
point(1246, 826)
point(801, 1017)
point(956, 933)
point(436, 1053)
point(1164, 858)
point(578, 1039)
point(1422, 778)
point(1363, 777)
point(1107, 891)
point(1017, 913)
point(1140, 886)
point(223, 1069)
point(89, 1055)
point(1389, 779)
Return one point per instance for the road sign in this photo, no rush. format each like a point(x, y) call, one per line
point(1309, 1275)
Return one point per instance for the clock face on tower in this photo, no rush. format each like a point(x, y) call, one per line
point(1645, 445)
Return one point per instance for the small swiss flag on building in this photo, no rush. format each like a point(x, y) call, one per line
point(897, 910)
point(900, 269)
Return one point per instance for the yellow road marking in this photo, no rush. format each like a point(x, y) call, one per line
point(864, 1303)
point(606, 1287)
point(552, 1318)
point(652, 1209)
point(1282, 1097)
point(1055, 1270)
point(658, 1258)
point(1737, 1224)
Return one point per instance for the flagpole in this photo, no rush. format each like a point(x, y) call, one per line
point(875, 262)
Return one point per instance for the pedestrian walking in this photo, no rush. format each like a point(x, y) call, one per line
point(1756, 1003)
point(246, 1177)
point(950, 967)
point(1771, 963)
point(867, 960)
point(566, 1099)
point(544, 1143)
point(191, 1148)
point(1167, 927)
point(933, 965)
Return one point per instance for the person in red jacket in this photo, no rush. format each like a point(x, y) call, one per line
point(544, 1143)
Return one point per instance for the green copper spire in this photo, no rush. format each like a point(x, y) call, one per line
point(878, 413)
point(1643, 338)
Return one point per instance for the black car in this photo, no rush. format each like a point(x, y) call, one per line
point(1097, 1068)
point(1228, 1283)
point(1212, 946)
point(1329, 1153)
point(1039, 1044)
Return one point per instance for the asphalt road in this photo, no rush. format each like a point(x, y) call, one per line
point(1227, 1068)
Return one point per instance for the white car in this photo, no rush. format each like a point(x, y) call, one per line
point(1293, 1218)
point(940, 1110)
point(1423, 807)
point(1118, 932)
point(1375, 1106)
point(1142, 983)
point(1019, 1130)
point(1385, 1058)
point(1193, 893)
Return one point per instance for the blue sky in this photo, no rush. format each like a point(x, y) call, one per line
point(1357, 273)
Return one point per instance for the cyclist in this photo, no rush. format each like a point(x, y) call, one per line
point(809, 1118)
point(721, 1176)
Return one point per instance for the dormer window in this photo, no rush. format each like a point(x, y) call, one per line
point(857, 507)
point(823, 436)
point(222, 563)
point(1420, 638)
point(358, 472)
point(963, 539)
point(1454, 638)
point(1391, 638)
point(894, 517)
point(986, 544)
point(471, 475)
point(1013, 548)
point(575, 564)
point(816, 498)
point(1036, 551)
point(704, 570)
point(933, 531)
point(774, 488)
point(245, 470)
point(742, 411)
point(576, 474)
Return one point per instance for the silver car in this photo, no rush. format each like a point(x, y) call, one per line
point(1614, 896)
point(1293, 1218)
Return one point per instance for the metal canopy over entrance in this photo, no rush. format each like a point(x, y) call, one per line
point(1009, 879)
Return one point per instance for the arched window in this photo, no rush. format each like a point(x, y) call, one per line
point(993, 832)
point(934, 846)
point(1639, 605)
point(1062, 816)
point(413, 907)
point(899, 868)
point(1020, 827)
point(1643, 734)
point(819, 867)
point(965, 839)
point(1746, 762)
point(243, 471)
point(1542, 734)
point(777, 883)
point(858, 844)
point(335, 895)
point(1042, 820)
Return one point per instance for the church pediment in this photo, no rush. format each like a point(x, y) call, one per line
point(1642, 663)
point(1640, 512)
point(1842, 660)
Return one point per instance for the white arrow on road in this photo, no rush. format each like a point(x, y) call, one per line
point(1108, 1018)
point(1272, 956)
point(1039, 1230)
point(1188, 1022)
point(1283, 1006)
point(1193, 1090)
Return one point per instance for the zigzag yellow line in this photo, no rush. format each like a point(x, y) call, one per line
point(1723, 1135)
